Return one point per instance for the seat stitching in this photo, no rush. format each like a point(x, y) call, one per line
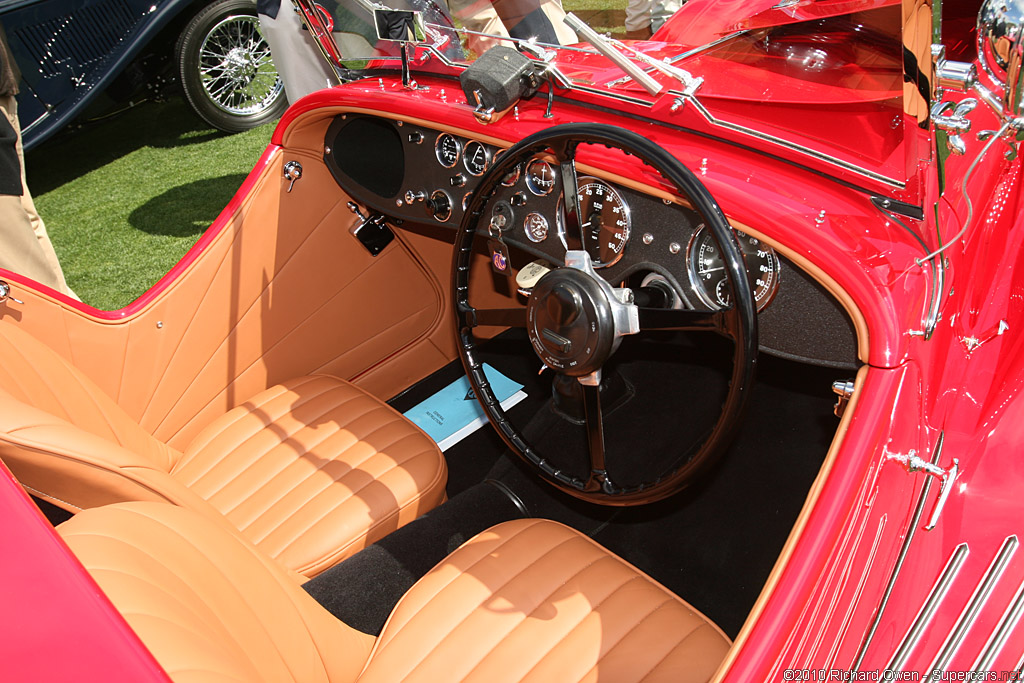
point(231, 586)
point(280, 390)
point(671, 649)
point(259, 430)
point(327, 461)
point(270, 478)
point(354, 494)
point(446, 585)
point(351, 494)
point(264, 405)
point(571, 629)
point(493, 592)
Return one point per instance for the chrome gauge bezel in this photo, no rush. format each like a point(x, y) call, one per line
point(535, 185)
point(439, 154)
point(536, 227)
point(469, 158)
point(763, 292)
point(436, 195)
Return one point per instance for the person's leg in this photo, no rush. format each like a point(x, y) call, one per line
point(299, 63)
point(25, 247)
point(638, 19)
point(661, 10)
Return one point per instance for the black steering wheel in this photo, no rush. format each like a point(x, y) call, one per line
point(575, 319)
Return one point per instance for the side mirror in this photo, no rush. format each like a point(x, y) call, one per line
point(1001, 49)
point(400, 26)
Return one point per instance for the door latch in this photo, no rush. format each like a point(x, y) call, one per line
point(5, 293)
point(292, 172)
point(914, 463)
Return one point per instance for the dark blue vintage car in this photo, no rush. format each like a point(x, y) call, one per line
point(80, 56)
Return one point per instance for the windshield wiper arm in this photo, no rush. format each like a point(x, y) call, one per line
point(602, 45)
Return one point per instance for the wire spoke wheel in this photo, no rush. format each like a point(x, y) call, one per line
point(227, 70)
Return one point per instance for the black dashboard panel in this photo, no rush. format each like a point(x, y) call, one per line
point(415, 174)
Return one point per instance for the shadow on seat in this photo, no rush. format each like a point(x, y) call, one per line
point(311, 470)
point(528, 600)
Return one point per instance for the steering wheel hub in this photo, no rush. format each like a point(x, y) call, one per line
point(570, 323)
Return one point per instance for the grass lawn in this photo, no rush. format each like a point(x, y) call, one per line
point(125, 198)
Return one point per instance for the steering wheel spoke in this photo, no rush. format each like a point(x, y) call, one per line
point(497, 317)
point(594, 419)
point(655, 319)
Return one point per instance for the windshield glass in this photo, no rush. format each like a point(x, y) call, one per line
point(821, 75)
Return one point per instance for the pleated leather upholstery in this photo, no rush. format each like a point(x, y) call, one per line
point(310, 471)
point(529, 600)
point(532, 600)
point(313, 470)
point(206, 604)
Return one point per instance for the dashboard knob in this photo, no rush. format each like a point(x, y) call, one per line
point(411, 196)
point(518, 199)
point(415, 137)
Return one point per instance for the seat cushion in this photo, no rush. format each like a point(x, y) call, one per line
point(207, 605)
point(314, 470)
point(532, 600)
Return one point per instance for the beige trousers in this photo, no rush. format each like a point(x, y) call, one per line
point(25, 247)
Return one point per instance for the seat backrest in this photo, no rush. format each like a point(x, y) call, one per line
point(58, 428)
point(206, 603)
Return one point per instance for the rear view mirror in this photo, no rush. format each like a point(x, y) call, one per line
point(401, 26)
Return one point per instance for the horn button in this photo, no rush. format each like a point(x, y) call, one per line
point(570, 322)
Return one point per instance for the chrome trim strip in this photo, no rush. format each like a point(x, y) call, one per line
point(821, 156)
point(981, 595)
point(904, 549)
point(927, 613)
point(999, 637)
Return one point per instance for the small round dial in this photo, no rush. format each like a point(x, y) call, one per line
point(707, 269)
point(540, 177)
point(536, 227)
point(477, 157)
point(447, 148)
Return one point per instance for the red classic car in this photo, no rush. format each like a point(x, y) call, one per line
point(757, 277)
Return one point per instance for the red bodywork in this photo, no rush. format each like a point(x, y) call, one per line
point(962, 384)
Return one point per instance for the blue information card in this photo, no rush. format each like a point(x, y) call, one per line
point(453, 413)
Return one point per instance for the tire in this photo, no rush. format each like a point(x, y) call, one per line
point(226, 69)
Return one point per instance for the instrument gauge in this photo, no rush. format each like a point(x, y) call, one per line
point(540, 177)
point(604, 221)
point(536, 227)
point(476, 158)
point(447, 149)
point(707, 269)
point(512, 177)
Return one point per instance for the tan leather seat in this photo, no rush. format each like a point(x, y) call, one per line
point(311, 470)
point(528, 600)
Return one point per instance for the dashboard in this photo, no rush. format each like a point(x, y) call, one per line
point(410, 173)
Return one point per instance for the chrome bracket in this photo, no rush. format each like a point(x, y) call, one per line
point(843, 389)
point(5, 293)
point(955, 124)
point(914, 463)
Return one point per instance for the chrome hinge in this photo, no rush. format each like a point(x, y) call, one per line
point(843, 388)
point(955, 124)
point(914, 463)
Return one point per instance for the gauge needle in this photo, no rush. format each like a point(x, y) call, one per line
point(711, 270)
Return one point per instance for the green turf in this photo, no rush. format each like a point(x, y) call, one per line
point(124, 199)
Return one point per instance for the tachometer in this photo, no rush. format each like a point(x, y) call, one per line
point(604, 220)
point(707, 269)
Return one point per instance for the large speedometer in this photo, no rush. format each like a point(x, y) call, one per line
point(707, 269)
point(604, 221)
